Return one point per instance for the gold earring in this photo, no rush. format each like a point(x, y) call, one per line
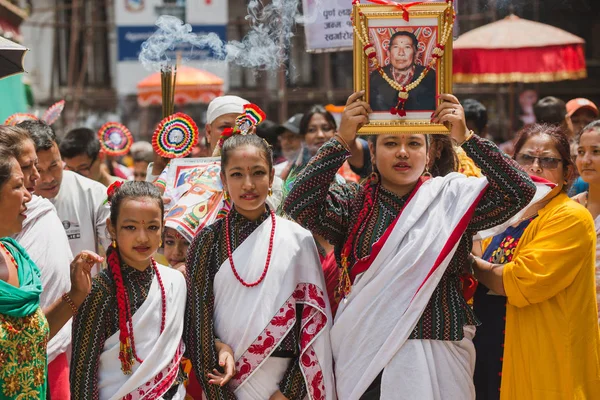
point(114, 244)
point(427, 174)
point(160, 244)
point(270, 192)
point(225, 195)
point(374, 177)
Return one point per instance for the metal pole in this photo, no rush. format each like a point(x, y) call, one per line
point(73, 51)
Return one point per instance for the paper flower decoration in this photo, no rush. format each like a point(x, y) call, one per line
point(175, 136)
point(18, 118)
point(53, 112)
point(115, 139)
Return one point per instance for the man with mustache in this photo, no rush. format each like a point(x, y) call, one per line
point(404, 70)
point(80, 202)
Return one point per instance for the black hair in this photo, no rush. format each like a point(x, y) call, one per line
point(7, 163)
point(12, 138)
point(41, 133)
point(550, 110)
point(448, 160)
point(476, 112)
point(134, 190)
point(236, 141)
point(305, 121)
point(269, 131)
point(410, 35)
point(80, 141)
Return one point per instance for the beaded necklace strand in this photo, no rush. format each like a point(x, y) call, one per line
point(127, 351)
point(269, 251)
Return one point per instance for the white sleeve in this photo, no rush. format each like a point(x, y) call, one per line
point(47, 245)
point(102, 212)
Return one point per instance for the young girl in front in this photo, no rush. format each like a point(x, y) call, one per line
point(255, 283)
point(127, 333)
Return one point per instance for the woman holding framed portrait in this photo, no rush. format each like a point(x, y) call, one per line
point(403, 329)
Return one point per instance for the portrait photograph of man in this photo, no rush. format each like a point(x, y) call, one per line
point(403, 53)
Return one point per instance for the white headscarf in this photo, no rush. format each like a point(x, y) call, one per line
point(225, 105)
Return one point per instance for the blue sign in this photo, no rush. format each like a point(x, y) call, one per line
point(130, 39)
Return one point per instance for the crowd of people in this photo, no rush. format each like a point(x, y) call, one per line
point(327, 265)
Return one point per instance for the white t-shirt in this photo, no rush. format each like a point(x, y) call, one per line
point(82, 208)
point(46, 243)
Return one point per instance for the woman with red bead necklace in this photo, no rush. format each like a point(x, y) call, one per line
point(255, 283)
point(403, 329)
point(127, 333)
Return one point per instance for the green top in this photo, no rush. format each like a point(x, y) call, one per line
point(25, 299)
point(23, 331)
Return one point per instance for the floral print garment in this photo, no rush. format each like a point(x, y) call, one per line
point(23, 343)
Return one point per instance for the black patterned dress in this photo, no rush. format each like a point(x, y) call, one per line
point(331, 210)
point(97, 320)
point(206, 254)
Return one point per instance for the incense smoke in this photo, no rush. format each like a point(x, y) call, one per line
point(159, 50)
point(265, 47)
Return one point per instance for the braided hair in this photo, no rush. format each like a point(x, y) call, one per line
point(117, 193)
point(444, 164)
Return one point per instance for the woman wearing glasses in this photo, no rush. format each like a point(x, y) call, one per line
point(539, 337)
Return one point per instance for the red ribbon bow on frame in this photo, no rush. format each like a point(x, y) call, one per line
point(404, 7)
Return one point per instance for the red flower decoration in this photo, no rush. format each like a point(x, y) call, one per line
point(110, 192)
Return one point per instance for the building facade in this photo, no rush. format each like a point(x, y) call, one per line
point(75, 56)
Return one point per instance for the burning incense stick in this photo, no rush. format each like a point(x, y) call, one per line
point(168, 79)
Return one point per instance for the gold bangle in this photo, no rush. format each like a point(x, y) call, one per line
point(67, 299)
point(342, 141)
point(469, 136)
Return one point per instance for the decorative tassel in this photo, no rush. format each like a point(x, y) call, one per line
point(126, 356)
point(402, 97)
point(345, 284)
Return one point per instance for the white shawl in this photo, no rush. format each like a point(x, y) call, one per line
point(254, 321)
point(160, 353)
point(387, 300)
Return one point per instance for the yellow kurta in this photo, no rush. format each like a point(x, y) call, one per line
point(552, 343)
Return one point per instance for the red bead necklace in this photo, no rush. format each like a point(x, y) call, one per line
point(229, 252)
point(12, 259)
point(164, 310)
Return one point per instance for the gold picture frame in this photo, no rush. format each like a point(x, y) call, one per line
point(427, 23)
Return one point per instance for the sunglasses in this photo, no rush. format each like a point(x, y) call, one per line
point(544, 162)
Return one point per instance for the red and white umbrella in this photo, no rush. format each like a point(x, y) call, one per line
point(193, 86)
point(518, 50)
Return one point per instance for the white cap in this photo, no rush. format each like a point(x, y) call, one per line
point(225, 105)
